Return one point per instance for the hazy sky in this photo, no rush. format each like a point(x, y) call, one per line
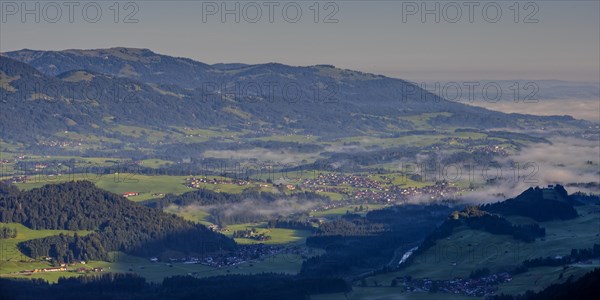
point(386, 37)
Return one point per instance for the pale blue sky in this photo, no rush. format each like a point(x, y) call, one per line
point(370, 36)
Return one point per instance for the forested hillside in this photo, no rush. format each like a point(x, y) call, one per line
point(118, 224)
point(537, 203)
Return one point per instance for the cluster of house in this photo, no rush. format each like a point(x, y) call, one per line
point(87, 270)
point(375, 196)
point(329, 189)
point(39, 166)
point(493, 149)
point(356, 187)
point(43, 270)
point(36, 170)
point(243, 254)
point(476, 144)
point(129, 194)
point(367, 189)
point(17, 179)
point(337, 179)
point(437, 191)
point(197, 182)
point(62, 268)
point(479, 287)
point(55, 143)
point(326, 206)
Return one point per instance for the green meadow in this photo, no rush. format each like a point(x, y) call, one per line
point(157, 271)
point(278, 236)
point(340, 211)
point(148, 186)
point(12, 260)
point(193, 214)
point(23, 233)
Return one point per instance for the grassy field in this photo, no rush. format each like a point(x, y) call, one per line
point(79, 160)
point(405, 181)
point(421, 120)
point(226, 188)
point(5, 148)
point(193, 214)
point(291, 177)
point(87, 140)
point(340, 211)
point(332, 196)
point(147, 186)
point(119, 183)
point(138, 132)
point(290, 138)
point(413, 140)
point(9, 246)
point(12, 260)
point(278, 235)
point(51, 277)
point(209, 132)
point(155, 272)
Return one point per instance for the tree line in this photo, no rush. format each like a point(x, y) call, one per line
point(265, 286)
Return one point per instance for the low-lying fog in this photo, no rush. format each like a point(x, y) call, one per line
point(566, 160)
point(586, 109)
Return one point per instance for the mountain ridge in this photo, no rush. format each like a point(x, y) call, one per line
point(153, 90)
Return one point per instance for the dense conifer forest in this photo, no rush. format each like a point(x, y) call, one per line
point(117, 224)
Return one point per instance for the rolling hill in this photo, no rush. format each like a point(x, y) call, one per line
point(85, 91)
point(540, 204)
point(554, 245)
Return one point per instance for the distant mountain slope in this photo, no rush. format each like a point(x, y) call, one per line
point(141, 64)
point(118, 224)
point(540, 204)
point(77, 90)
point(35, 105)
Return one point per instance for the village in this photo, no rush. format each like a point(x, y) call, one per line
point(354, 188)
point(474, 287)
point(243, 254)
point(76, 267)
point(197, 182)
point(363, 188)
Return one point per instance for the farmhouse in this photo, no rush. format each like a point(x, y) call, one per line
point(55, 269)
